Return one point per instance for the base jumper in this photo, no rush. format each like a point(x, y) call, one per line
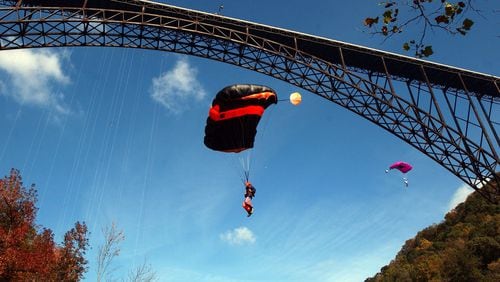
point(249, 194)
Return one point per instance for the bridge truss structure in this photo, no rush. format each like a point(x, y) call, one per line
point(447, 113)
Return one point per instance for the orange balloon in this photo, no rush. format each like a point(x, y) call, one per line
point(295, 98)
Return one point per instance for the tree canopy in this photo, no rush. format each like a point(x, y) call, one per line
point(28, 251)
point(451, 17)
point(464, 247)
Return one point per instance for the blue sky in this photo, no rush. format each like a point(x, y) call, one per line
point(116, 135)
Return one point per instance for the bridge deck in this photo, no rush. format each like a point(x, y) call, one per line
point(329, 50)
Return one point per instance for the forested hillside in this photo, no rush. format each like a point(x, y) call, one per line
point(464, 247)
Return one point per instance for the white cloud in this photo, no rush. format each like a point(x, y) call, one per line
point(173, 273)
point(480, 183)
point(238, 236)
point(460, 195)
point(176, 88)
point(31, 76)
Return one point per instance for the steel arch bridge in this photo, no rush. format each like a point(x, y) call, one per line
point(449, 114)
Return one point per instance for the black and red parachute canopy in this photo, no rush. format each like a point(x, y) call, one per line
point(234, 115)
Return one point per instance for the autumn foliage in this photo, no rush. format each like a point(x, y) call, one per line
point(464, 247)
point(28, 251)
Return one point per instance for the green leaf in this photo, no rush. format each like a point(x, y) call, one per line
point(467, 24)
point(370, 21)
point(406, 46)
point(449, 9)
point(442, 19)
point(387, 16)
point(427, 51)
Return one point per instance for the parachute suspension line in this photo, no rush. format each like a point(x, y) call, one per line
point(29, 158)
point(265, 122)
point(245, 160)
point(54, 155)
point(269, 113)
point(115, 115)
point(236, 163)
point(250, 157)
point(85, 140)
point(76, 174)
point(50, 115)
point(113, 110)
point(148, 175)
point(242, 168)
point(104, 156)
point(247, 177)
point(148, 172)
point(244, 156)
point(131, 129)
point(9, 135)
point(248, 167)
point(94, 110)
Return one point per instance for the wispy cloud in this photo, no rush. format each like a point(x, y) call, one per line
point(3, 87)
point(32, 76)
point(238, 236)
point(173, 273)
point(459, 196)
point(176, 88)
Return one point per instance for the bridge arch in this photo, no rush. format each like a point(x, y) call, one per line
point(446, 113)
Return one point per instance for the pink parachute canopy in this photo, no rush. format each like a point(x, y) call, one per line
point(401, 166)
